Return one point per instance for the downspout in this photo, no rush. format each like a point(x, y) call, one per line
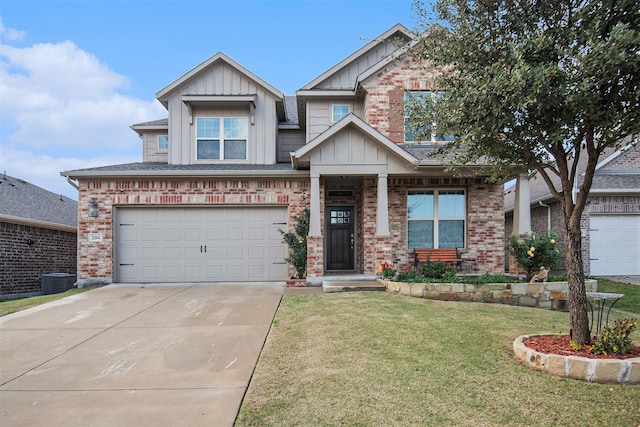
point(548, 214)
point(73, 184)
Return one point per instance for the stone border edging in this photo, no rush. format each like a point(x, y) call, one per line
point(603, 371)
point(548, 295)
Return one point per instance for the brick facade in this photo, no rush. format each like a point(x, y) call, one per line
point(95, 262)
point(384, 109)
point(23, 264)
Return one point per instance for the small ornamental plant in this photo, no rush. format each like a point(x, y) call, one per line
point(615, 339)
point(531, 252)
point(387, 270)
point(297, 242)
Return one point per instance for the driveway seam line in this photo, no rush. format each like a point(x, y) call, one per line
point(102, 331)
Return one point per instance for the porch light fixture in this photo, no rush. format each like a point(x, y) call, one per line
point(93, 208)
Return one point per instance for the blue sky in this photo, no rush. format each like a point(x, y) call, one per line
point(75, 74)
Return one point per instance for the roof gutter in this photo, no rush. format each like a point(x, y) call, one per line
point(72, 183)
point(181, 174)
point(38, 223)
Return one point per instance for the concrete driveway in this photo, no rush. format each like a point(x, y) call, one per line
point(135, 355)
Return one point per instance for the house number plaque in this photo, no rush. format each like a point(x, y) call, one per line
point(95, 237)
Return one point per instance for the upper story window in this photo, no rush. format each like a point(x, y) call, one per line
point(428, 132)
point(163, 142)
point(221, 138)
point(338, 112)
point(436, 218)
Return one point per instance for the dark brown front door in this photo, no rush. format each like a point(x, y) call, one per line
point(340, 238)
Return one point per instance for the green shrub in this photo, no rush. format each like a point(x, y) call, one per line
point(409, 276)
point(615, 339)
point(488, 278)
point(297, 242)
point(533, 252)
point(388, 273)
point(437, 270)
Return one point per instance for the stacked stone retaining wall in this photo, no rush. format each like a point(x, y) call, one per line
point(549, 295)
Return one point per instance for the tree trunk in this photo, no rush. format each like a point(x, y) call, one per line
point(578, 319)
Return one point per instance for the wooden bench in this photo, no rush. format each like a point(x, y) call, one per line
point(447, 255)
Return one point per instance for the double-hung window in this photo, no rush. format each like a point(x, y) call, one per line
point(418, 126)
point(436, 219)
point(221, 138)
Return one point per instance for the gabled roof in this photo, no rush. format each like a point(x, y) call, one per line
point(161, 124)
point(605, 179)
point(354, 121)
point(163, 94)
point(25, 203)
point(397, 30)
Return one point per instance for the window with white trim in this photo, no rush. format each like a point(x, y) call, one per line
point(436, 218)
point(429, 131)
point(221, 138)
point(338, 112)
point(163, 142)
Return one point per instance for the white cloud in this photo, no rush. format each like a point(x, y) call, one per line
point(44, 170)
point(63, 109)
point(10, 34)
point(60, 95)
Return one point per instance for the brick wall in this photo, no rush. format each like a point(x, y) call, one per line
point(485, 220)
point(384, 109)
point(629, 160)
point(95, 260)
point(22, 265)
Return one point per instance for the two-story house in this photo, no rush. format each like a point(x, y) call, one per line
point(237, 160)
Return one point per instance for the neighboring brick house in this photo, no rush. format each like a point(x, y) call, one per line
point(611, 220)
point(237, 160)
point(38, 235)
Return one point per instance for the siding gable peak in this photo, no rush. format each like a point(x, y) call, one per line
point(358, 60)
point(163, 94)
point(301, 155)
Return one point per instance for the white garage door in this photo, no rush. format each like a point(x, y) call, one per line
point(200, 244)
point(615, 245)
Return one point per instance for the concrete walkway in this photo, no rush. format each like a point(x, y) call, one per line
point(135, 355)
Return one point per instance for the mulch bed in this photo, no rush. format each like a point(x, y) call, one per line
point(550, 344)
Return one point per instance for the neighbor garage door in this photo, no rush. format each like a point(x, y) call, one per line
point(200, 244)
point(615, 245)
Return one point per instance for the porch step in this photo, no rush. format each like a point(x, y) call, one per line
point(349, 286)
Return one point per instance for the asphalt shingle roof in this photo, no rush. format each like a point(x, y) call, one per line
point(603, 179)
point(165, 167)
point(21, 199)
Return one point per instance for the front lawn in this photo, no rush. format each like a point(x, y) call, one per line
point(631, 300)
point(11, 306)
point(377, 359)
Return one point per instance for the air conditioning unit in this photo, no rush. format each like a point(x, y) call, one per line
point(54, 283)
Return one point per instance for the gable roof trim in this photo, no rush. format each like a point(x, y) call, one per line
point(351, 120)
point(398, 28)
point(163, 93)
